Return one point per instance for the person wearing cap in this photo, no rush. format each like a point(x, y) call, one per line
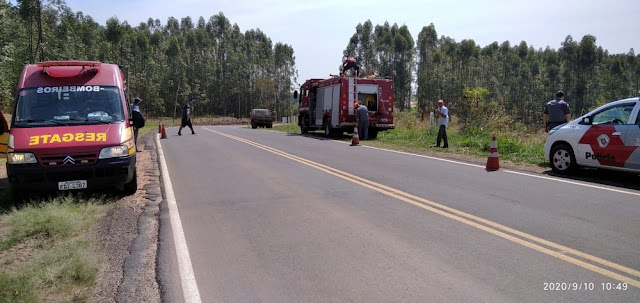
point(443, 120)
point(138, 119)
point(186, 120)
point(556, 112)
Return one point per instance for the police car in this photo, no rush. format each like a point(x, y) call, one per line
point(608, 137)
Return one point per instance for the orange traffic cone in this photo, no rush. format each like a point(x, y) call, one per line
point(164, 133)
point(492, 162)
point(355, 139)
point(159, 128)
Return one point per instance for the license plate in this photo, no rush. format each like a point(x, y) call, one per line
point(77, 184)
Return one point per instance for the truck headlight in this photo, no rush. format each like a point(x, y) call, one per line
point(21, 158)
point(114, 152)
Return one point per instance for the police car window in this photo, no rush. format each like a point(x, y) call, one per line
point(618, 114)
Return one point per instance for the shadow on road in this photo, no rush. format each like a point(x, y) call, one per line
point(317, 136)
point(603, 177)
point(321, 136)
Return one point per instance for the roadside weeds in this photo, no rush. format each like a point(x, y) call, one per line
point(83, 248)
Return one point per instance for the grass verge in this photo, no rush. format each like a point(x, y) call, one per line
point(47, 253)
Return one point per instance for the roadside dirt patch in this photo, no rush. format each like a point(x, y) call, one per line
point(12, 259)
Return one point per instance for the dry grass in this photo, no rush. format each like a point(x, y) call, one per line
point(46, 251)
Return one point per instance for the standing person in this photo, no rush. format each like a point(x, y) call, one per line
point(350, 63)
point(362, 117)
point(138, 119)
point(556, 112)
point(443, 120)
point(186, 119)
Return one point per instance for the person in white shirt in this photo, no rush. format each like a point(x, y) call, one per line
point(443, 121)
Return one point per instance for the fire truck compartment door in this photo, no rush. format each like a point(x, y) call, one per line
point(320, 97)
point(335, 106)
point(326, 100)
point(371, 89)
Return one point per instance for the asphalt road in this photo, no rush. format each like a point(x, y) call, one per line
point(275, 217)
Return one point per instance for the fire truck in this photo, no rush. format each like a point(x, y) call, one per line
point(327, 104)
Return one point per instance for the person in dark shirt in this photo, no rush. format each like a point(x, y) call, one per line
point(350, 63)
point(138, 119)
point(556, 112)
point(443, 121)
point(186, 120)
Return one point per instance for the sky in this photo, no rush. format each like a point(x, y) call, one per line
point(319, 31)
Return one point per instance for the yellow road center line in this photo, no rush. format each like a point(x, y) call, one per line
point(465, 218)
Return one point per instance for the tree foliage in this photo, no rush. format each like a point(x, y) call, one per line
point(519, 79)
point(211, 64)
point(388, 50)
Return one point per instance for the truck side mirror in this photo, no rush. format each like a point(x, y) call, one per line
point(295, 94)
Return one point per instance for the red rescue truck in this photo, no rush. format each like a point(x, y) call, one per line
point(327, 104)
point(71, 129)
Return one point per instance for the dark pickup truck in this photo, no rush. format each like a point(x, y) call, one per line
point(261, 117)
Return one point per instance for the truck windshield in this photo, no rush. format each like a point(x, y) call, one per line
point(68, 105)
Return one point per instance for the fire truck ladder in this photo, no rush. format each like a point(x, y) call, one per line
point(355, 88)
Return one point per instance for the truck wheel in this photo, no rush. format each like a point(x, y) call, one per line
point(562, 159)
point(254, 125)
point(373, 133)
point(304, 124)
point(131, 187)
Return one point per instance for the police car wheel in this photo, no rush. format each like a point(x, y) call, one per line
point(562, 159)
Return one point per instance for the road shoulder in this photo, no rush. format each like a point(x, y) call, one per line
point(129, 236)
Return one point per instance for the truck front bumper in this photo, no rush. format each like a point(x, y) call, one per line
point(380, 126)
point(106, 173)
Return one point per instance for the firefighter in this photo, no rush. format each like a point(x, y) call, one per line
point(362, 119)
point(350, 63)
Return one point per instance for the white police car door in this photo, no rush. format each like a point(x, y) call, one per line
point(605, 144)
point(632, 139)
